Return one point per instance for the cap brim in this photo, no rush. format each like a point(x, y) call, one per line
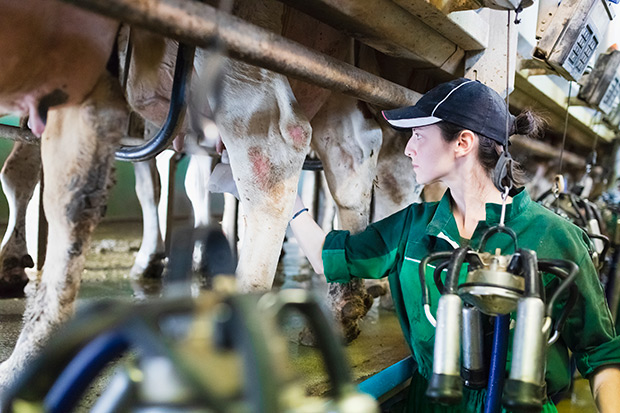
point(408, 117)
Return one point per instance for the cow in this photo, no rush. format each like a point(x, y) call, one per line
point(54, 70)
point(268, 122)
point(265, 120)
point(19, 176)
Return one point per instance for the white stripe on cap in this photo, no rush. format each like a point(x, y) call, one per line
point(413, 122)
point(448, 95)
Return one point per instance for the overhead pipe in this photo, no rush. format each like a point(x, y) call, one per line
point(196, 23)
point(543, 149)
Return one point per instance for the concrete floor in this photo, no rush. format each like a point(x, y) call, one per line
point(106, 276)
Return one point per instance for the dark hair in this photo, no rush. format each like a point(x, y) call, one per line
point(526, 123)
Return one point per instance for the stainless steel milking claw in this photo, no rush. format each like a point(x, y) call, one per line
point(496, 284)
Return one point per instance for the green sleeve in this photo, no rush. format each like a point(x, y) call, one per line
point(368, 254)
point(589, 331)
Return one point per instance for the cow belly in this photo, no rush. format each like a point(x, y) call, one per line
point(52, 53)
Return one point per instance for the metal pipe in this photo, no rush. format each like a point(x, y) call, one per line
point(539, 148)
point(197, 23)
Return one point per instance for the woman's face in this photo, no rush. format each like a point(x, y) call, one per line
point(431, 156)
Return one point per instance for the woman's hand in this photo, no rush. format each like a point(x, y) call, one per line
point(221, 179)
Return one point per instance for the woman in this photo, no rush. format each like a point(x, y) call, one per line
point(458, 132)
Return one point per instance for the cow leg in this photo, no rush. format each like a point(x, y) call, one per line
point(267, 137)
point(196, 187)
point(149, 261)
point(196, 180)
point(19, 176)
point(77, 150)
point(348, 140)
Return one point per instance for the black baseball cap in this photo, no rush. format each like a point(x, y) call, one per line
point(463, 102)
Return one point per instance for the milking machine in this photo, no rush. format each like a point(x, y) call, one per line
point(580, 211)
point(494, 284)
point(219, 352)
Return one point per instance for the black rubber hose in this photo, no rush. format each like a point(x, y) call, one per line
point(454, 268)
point(514, 264)
point(426, 296)
point(165, 136)
point(575, 203)
point(589, 213)
point(606, 245)
point(496, 230)
point(529, 265)
point(437, 276)
point(474, 261)
point(567, 271)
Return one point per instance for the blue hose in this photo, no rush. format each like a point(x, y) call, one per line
point(497, 369)
point(84, 367)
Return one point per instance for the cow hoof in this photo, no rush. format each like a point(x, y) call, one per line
point(14, 278)
point(350, 331)
point(376, 290)
point(153, 269)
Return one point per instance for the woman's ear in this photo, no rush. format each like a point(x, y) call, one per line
point(465, 143)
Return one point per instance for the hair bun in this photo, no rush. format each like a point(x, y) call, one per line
point(529, 124)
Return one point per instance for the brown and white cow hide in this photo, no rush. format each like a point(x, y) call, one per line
point(267, 121)
point(53, 68)
point(264, 120)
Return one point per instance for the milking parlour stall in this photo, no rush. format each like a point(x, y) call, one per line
point(309, 206)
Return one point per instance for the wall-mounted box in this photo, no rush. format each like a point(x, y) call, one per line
point(613, 118)
point(601, 87)
point(570, 34)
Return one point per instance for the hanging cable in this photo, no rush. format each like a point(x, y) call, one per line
point(508, 126)
point(503, 169)
point(570, 86)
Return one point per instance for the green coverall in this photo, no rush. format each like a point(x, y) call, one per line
point(394, 246)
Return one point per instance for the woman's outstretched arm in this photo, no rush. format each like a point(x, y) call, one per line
point(310, 236)
point(605, 385)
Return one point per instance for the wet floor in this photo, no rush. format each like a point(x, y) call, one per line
point(107, 276)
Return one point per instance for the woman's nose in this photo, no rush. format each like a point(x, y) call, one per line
point(410, 148)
